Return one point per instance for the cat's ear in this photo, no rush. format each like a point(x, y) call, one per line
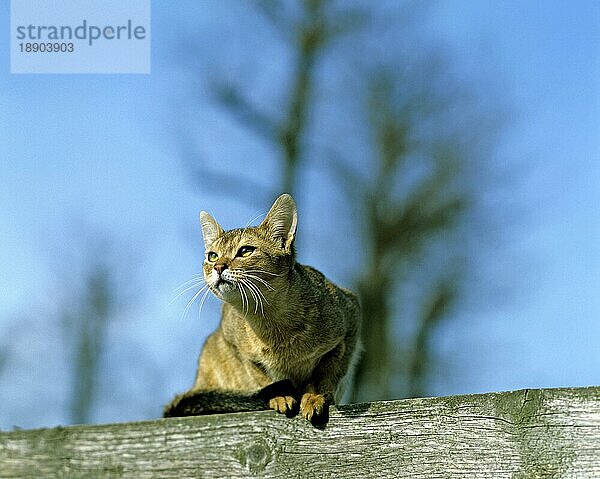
point(210, 228)
point(281, 221)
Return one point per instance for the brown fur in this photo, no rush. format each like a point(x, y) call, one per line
point(280, 320)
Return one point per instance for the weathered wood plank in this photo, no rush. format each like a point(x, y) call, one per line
point(522, 434)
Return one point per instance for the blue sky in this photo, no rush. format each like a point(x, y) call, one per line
point(100, 153)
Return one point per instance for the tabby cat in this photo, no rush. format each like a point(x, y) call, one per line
point(288, 336)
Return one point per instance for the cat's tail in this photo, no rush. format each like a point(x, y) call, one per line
point(197, 403)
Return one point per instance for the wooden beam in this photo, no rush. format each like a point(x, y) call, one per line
point(545, 433)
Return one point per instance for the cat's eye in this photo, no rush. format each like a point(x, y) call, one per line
point(212, 256)
point(245, 251)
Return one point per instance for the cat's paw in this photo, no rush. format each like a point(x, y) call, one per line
point(315, 408)
point(285, 405)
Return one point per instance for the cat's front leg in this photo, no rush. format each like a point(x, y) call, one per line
point(320, 392)
point(314, 405)
point(281, 396)
point(287, 405)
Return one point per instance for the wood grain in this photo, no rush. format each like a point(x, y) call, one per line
point(551, 433)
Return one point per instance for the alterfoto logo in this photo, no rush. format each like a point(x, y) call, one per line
point(80, 36)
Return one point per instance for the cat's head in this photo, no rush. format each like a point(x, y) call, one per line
point(244, 266)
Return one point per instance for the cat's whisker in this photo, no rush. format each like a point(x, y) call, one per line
point(258, 295)
point(261, 271)
point(260, 280)
point(195, 276)
point(259, 215)
point(240, 278)
point(202, 300)
point(193, 298)
point(252, 292)
point(244, 297)
point(256, 300)
point(261, 296)
point(194, 285)
point(258, 290)
point(191, 301)
point(194, 279)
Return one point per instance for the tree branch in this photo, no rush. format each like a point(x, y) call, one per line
point(271, 10)
point(247, 114)
point(226, 183)
point(434, 310)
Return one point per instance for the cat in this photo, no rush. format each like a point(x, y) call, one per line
point(288, 337)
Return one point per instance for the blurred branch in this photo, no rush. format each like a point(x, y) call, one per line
point(94, 293)
point(86, 327)
point(311, 38)
point(348, 21)
point(272, 11)
point(226, 183)
point(246, 113)
point(234, 186)
point(405, 227)
point(3, 359)
point(372, 372)
point(434, 310)
point(349, 178)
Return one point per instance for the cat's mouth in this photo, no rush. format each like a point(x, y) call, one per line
point(223, 286)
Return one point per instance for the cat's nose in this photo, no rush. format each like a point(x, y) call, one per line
point(220, 267)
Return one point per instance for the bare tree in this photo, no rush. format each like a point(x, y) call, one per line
point(85, 327)
point(94, 290)
point(416, 206)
